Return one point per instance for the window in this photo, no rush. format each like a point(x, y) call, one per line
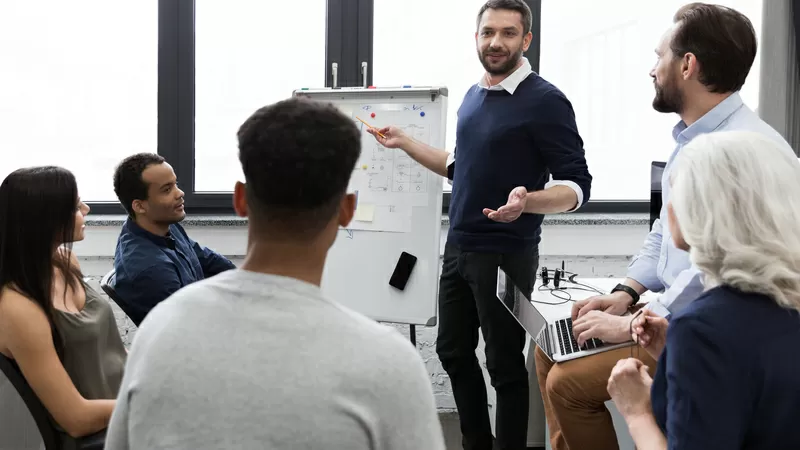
point(78, 87)
point(600, 54)
point(248, 55)
point(422, 42)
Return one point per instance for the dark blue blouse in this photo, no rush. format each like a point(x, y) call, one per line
point(729, 377)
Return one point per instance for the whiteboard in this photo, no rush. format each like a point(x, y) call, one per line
point(399, 207)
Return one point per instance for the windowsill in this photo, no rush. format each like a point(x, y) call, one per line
point(234, 221)
point(583, 234)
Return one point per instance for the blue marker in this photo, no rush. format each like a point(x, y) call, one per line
point(422, 113)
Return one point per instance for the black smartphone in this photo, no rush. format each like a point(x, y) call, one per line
point(402, 272)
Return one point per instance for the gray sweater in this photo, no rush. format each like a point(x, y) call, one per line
point(252, 361)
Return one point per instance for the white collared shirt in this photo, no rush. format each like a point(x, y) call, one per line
point(510, 84)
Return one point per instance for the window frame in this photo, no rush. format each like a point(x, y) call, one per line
point(349, 44)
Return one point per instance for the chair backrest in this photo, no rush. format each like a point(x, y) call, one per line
point(656, 172)
point(107, 283)
point(50, 436)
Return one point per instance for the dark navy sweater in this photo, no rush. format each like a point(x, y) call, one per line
point(504, 141)
point(729, 376)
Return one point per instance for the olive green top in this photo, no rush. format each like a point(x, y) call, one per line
point(94, 356)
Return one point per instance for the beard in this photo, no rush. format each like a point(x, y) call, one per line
point(668, 99)
point(502, 68)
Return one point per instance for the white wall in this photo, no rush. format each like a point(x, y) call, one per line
point(592, 246)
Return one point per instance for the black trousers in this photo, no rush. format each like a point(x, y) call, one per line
point(467, 301)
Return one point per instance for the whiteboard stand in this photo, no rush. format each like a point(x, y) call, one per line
point(399, 207)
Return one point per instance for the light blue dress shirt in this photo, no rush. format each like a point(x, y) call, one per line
point(660, 266)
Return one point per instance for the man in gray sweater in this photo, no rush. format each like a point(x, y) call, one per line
point(258, 358)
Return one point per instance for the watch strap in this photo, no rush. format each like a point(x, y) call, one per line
point(628, 290)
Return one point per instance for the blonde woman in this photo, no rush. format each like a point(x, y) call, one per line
point(728, 369)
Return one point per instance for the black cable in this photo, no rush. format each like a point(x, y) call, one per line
point(561, 292)
point(552, 290)
point(569, 296)
point(588, 287)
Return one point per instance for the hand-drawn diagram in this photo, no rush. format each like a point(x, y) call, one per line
point(392, 170)
point(410, 176)
point(379, 162)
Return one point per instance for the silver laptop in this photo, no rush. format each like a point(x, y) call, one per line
point(553, 336)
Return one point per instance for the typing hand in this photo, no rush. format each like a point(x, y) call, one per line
point(650, 331)
point(629, 387)
point(512, 209)
point(616, 304)
point(597, 324)
point(393, 137)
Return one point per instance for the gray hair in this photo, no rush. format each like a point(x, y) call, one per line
point(736, 198)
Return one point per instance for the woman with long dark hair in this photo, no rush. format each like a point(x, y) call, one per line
point(60, 332)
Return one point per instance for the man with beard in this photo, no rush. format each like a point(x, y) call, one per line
point(155, 257)
point(514, 130)
point(703, 61)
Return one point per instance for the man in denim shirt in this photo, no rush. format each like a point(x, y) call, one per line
point(703, 61)
point(155, 257)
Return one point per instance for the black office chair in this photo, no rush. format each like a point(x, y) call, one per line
point(50, 436)
point(107, 283)
point(656, 171)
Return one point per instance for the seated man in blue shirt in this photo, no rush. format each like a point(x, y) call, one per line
point(703, 61)
point(155, 257)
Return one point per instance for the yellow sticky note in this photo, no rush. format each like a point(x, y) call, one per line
point(365, 212)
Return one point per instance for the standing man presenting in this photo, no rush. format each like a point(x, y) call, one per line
point(514, 130)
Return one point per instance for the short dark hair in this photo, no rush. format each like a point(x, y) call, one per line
point(297, 156)
point(128, 182)
point(722, 39)
point(511, 5)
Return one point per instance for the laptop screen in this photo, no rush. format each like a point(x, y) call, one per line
point(518, 303)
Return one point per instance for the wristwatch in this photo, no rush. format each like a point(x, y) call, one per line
point(628, 290)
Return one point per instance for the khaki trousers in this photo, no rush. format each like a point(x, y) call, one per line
point(574, 395)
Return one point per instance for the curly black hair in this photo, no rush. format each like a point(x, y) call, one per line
point(297, 156)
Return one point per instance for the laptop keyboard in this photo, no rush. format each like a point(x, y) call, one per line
point(567, 341)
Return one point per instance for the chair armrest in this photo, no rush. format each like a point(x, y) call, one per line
point(92, 442)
